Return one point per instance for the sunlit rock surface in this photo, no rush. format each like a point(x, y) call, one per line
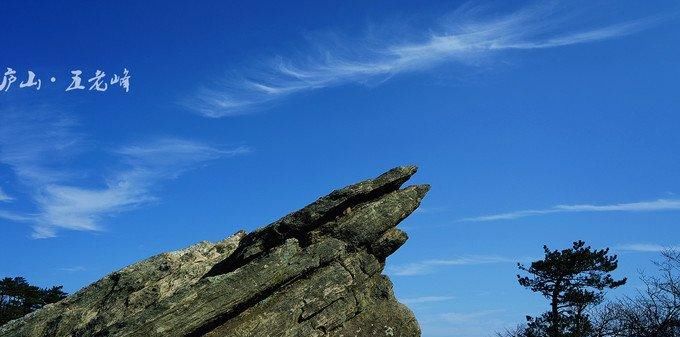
point(314, 272)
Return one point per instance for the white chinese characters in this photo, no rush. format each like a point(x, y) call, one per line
point(99, 82)
point(8, 79)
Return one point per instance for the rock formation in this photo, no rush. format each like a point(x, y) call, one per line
point(314, 272)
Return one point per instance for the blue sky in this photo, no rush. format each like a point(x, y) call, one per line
point(535, 123)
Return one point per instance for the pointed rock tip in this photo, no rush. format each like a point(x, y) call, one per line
point(399, 172)
point(423, 188)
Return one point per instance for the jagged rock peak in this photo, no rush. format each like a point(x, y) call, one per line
point(314, 272)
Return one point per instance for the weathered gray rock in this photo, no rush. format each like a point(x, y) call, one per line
point(315, 272)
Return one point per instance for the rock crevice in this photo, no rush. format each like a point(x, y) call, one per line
point(314, 272)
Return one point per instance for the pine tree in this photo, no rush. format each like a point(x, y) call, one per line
point(572, 279)
point(18, 298)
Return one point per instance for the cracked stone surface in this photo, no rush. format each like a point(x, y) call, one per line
point(314, 272)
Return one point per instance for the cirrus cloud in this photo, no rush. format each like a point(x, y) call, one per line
point(640, 206)
point(429, 266)
point(465, 37)
point(41, 151)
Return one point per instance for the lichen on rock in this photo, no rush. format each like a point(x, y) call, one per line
point(314, 272)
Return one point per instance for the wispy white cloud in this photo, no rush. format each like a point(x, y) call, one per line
point(468, 317)
point(11, 216)
point(467, 37)
point(428, 266)
point(80, 208)
point(38, 144)
point(425, 299)
point(466, 323)
point(73, 269)
point(4, 197)
point(39, 150)
point(641, 206)
point(645, 247)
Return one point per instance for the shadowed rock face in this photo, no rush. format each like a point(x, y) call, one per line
point(315, 272)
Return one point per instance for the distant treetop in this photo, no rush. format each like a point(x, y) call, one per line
point(18, 297)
